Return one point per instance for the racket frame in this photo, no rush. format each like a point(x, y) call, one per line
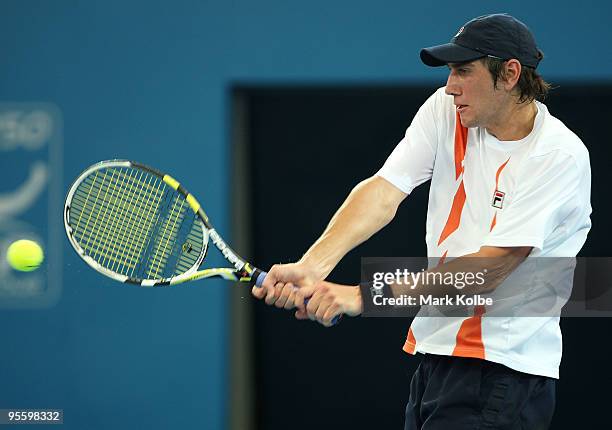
point(242, 271)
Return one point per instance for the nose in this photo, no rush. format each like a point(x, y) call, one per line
point(452, 87)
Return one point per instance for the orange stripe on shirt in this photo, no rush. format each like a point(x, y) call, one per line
point(469, 337)
point(443, 258)
point(410, 344)
point(494, 221)
point(499, 170)
point(460, 145)
point(454, 217)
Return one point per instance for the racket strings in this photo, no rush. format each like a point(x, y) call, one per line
point(117, 211)
point(107, 238)
point(132, 223)
point(114, 217)
point(111, 218)
point(166, 239)
point(191, 249)
point(137, 219)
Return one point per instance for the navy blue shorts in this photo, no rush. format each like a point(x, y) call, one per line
point(467, 393)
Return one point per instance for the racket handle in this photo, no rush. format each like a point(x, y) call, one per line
point(259, 282)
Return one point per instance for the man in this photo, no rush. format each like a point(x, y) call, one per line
point(508, 181)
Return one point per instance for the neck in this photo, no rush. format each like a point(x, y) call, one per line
point(515, 122)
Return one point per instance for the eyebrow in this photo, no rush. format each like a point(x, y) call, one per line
point(467, 64)
point(457, 65)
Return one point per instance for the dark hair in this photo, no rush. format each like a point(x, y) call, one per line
point(530, 85)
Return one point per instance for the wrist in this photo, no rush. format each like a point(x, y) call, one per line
point(358, 300)
point(315, 268)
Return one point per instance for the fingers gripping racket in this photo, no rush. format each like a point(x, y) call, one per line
point(140, 226)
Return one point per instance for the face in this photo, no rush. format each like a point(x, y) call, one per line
point(475, 98)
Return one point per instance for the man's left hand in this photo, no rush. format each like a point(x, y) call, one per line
point(326, 300)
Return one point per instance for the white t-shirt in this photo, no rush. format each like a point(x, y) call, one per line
point(484, 192)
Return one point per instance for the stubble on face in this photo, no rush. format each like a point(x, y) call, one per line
point(475, 96)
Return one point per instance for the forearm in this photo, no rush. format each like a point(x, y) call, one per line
point(480, 273)
point(370, 206)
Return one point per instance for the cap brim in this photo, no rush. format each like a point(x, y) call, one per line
point(441, 55)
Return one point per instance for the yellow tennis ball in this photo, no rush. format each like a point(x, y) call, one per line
point(25, 255)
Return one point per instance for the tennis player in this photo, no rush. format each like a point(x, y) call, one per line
point(508, 180)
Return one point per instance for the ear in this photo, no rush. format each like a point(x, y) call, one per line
point(512, 73)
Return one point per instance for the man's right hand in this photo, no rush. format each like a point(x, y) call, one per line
point(280, 286)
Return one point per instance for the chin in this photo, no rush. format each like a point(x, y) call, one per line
point(468, 122)
point(465, 122)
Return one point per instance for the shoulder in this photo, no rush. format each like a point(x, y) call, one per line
point(440, 101)
point(437, 112)
point(556, 142)
point(555, 135)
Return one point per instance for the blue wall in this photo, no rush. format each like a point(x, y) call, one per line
point(150, 81)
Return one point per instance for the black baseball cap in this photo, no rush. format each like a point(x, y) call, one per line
point(499, 35)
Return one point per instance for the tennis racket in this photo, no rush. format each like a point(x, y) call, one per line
point(139, 226)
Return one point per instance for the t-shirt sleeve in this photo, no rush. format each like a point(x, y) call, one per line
point(411, 162)
point(549, 190)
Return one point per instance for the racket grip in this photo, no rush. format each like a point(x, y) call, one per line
point(259, 282)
